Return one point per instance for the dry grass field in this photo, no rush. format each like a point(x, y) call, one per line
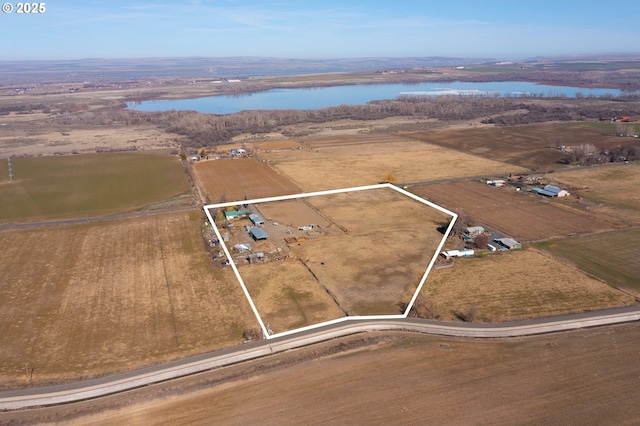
point(287, 296)
point(516, 285)
point(614, 187)
point(330, 165)
point(34, 136)
point(528, 146)
point(613, 257)
point(587, 377)
point(84, 300)
point(90, 185)
point(526, 217)
point(241, 179)
point(378, 261)
point(293, 213)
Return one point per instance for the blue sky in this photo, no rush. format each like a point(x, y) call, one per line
point(320, 29)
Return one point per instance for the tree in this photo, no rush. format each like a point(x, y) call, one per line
point(481, 241)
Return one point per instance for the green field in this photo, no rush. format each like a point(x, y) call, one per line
point(90, 185)
point(613, 257)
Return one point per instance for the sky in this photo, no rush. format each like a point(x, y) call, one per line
point(327, 29)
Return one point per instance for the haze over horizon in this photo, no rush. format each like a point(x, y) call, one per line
point(329, 29)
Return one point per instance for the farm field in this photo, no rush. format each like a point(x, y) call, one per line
point(330, 165)
point(366, 255)
point(241, 179)
point(611, 256)
point(387, 243)
point(613, 187)
point(34, 134)
point(90, 185)
point(527, 146)
point(526, 217)
point(577, 377)
point(85, 300)
point(287, 296)
point(515, 285)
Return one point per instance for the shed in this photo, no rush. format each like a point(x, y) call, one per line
point(256, 219)
point(258, 234)
point(508, 243)
point(256, 257)
point(558, 192)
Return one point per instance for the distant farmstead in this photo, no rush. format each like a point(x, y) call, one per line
point(551, 191)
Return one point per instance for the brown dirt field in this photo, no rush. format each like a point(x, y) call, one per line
point(85, 300)
point(613, 187)
point(585, 377)
point(240, 179)
point(516, 285)
point(526, 217)
point(528, 146)
point(287, 296)
point(378, 262)
point(330, 168)
point(291, 212)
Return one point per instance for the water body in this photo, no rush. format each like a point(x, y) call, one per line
point(323, 97)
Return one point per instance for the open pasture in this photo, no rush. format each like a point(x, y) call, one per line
point(528, 146)
point(515, 285)
point(526, 217)
point(241, 179)
point(613, 257)
point(33, 134)
point(613, 186)
point(377, 262)
point(292, 212)
point(89, 185)
point(268, 145)
point(85, 300)
point(287, 296)
point(330, 165)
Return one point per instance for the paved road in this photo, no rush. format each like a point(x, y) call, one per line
point(52, 395)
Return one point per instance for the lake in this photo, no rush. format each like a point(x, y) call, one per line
point(316, 98)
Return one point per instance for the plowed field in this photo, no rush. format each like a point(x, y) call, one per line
point(85, 300)
point(241, 179)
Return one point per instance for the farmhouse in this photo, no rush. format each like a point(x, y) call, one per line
point(550, 191)
point(508, 243)
point(474, 231)
point(236, 214)
point(238, 152)
point(256, 219)
point(497, 183)
point(258, 234)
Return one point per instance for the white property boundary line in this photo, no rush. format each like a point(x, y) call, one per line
point(265, 332)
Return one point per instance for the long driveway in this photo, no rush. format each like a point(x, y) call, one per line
point(78, 391)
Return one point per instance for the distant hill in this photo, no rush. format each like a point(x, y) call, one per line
point(136, 68)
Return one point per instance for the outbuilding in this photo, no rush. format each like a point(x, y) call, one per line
point(258, 234)
point(508, 243)
point(256, 219)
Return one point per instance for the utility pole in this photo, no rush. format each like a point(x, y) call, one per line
point(10, 170)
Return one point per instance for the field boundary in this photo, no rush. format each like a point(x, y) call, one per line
point(268, 334)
